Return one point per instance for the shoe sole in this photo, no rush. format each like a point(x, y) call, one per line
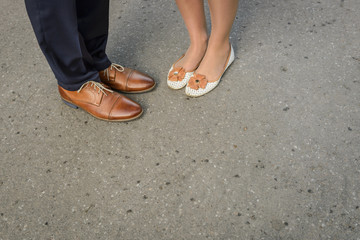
point(120, 120)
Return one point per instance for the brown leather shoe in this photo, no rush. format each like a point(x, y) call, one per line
point(101, 102)
point(126, 80)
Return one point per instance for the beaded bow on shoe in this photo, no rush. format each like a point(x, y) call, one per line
point(197, 81)
point(177, 74)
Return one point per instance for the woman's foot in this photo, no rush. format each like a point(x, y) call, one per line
point(183, 69)
point(200, 84)
point(193, 56)
point(214, 61)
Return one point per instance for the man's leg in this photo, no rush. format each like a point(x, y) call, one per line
point(55, 23)
point(56, 28)
point(93, 20)
point(93, 25)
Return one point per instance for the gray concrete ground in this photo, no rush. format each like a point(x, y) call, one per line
point(272, 153)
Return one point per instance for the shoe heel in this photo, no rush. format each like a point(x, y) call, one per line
point(70, 104)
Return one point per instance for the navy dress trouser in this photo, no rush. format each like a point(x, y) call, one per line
point(72, 34)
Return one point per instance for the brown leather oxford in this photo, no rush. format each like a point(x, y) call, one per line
point(101, 102)
point(126, 80)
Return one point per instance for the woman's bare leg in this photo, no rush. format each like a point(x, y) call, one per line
point(193, 14)
point(222, 17)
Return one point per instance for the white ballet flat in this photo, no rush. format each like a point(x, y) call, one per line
point(198, 85)
point(177, 77)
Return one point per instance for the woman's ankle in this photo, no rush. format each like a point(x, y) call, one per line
point(219, 46)
point(199, 41)
point(219, 41)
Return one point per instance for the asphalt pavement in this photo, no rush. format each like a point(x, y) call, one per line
point(272, 153)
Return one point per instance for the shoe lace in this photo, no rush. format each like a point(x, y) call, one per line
point(96, 85)
point(115, 66)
